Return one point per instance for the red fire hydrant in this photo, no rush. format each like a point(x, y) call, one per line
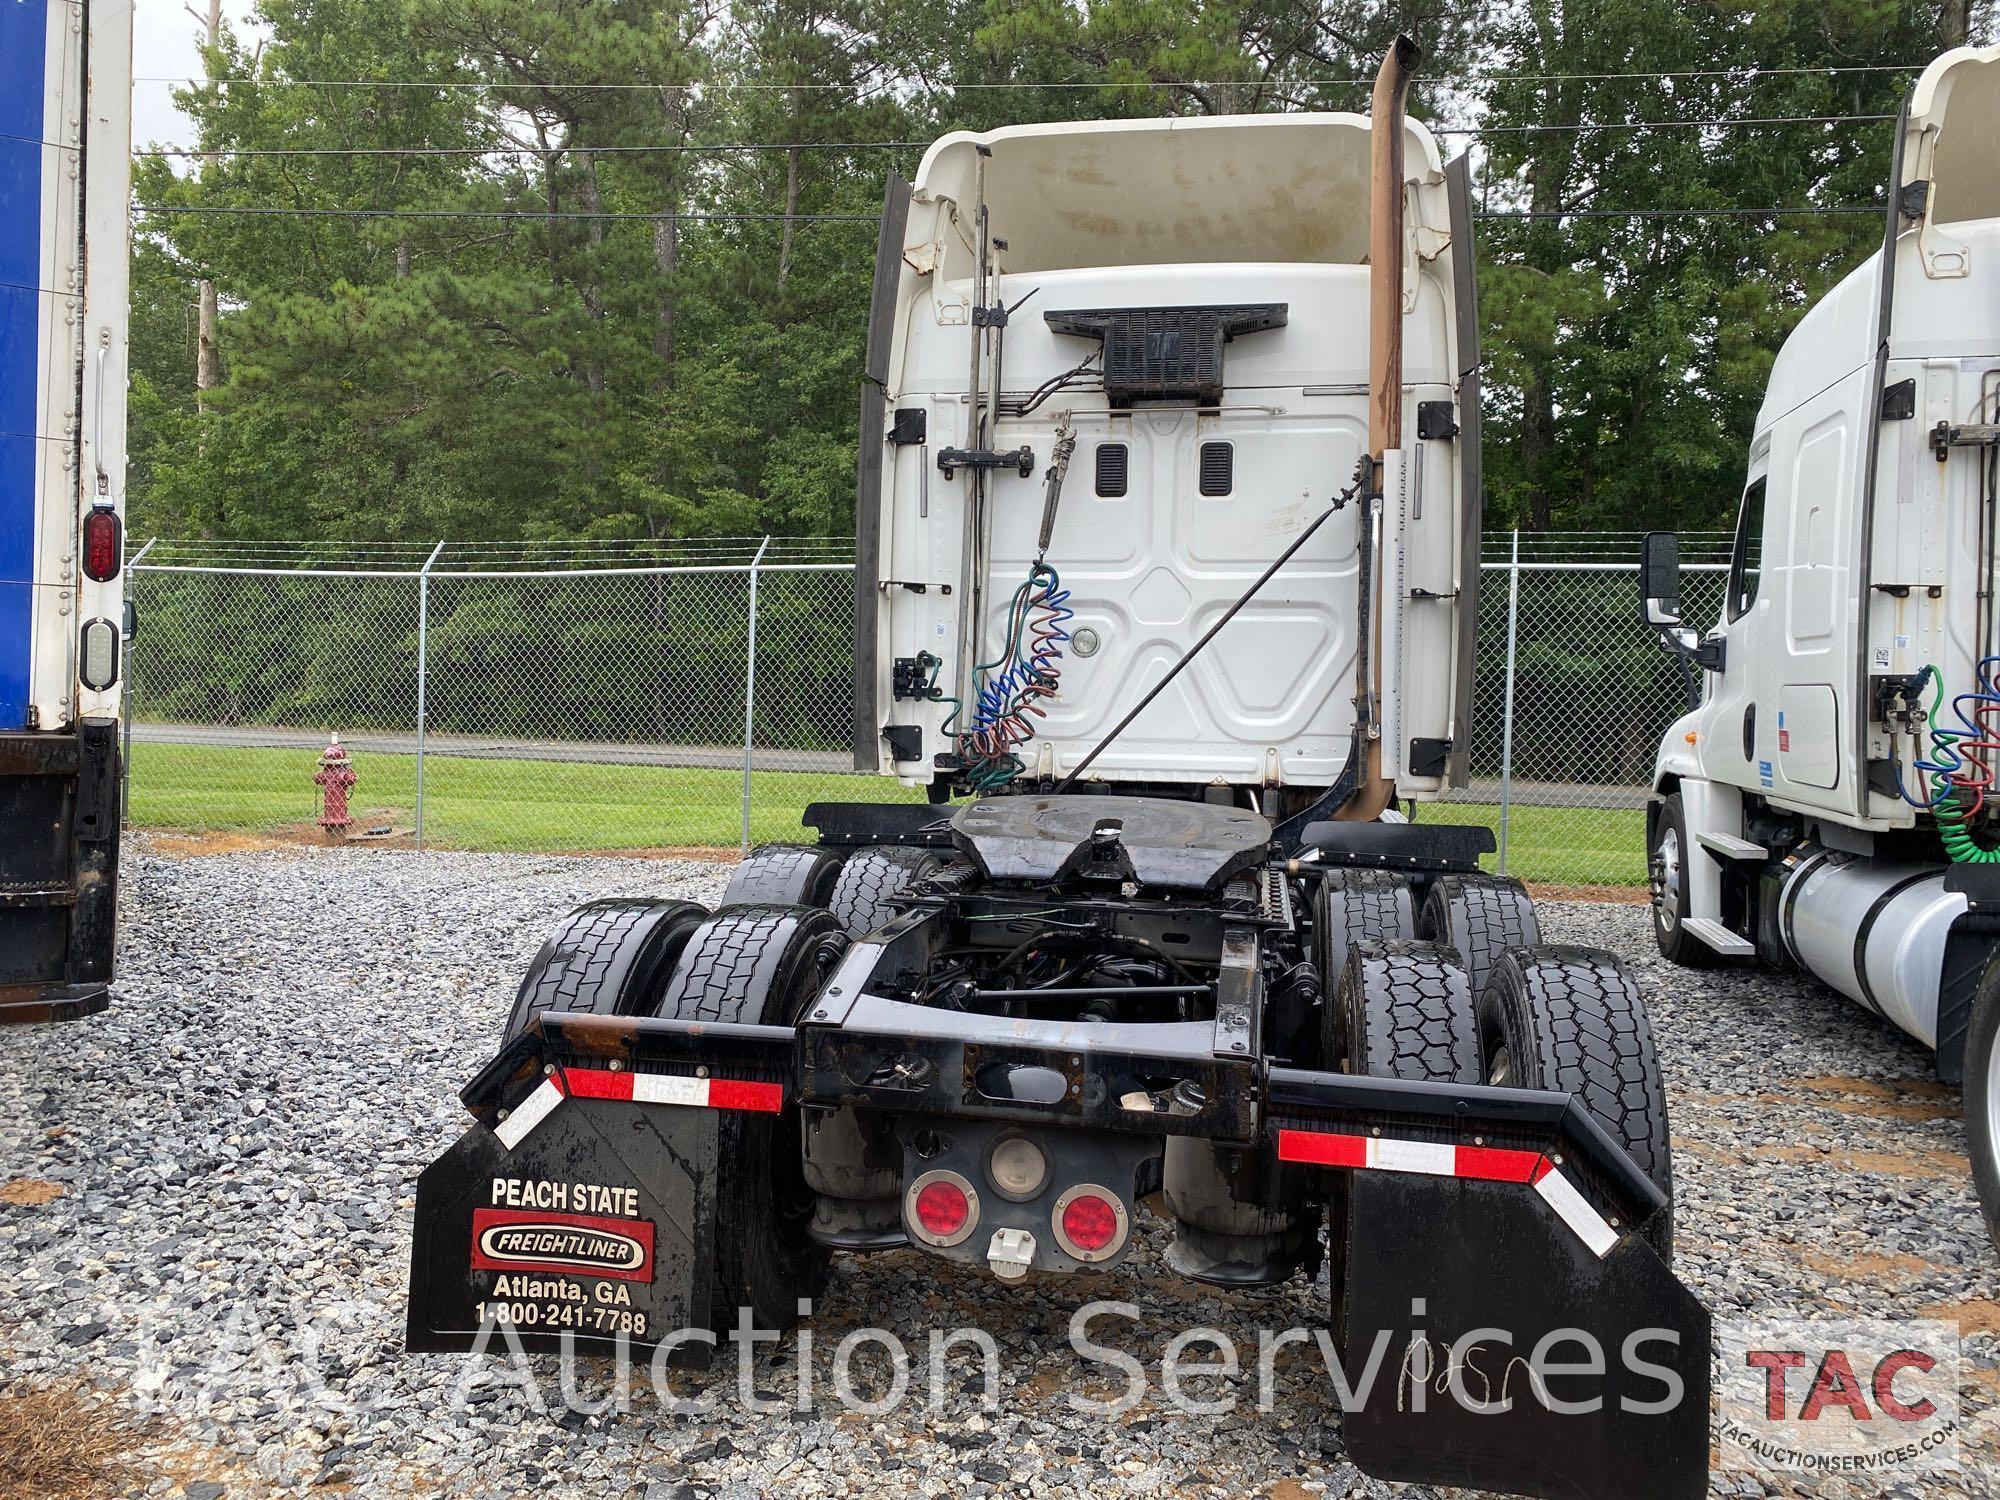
point(334, 777)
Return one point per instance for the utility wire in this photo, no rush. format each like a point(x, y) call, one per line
point(1747, 75)
point(511, 149)
point(803, 218)
point(1680, 213)
point(478, 213)
point(515, 149)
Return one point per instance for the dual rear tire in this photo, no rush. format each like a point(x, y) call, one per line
point(760, 964)
point(862, 890)
point(1481, 999)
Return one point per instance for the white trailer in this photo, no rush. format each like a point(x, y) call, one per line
point(65, 176)
point(1830, 804)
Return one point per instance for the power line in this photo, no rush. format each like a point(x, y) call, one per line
point(1681, 213)
point(1746, 75)
point(1589, 125)
point(477, 213)
point(512, 148)
point(815, 218)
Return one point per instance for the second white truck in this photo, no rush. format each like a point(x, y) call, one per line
point(1832, 803)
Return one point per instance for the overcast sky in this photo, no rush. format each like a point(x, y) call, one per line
point(166, 43)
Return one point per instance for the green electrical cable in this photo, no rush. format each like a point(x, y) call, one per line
point(1958, 841)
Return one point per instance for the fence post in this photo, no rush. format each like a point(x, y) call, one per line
point(423, 675)
point(750, 690)
point(1507, 698)
point(129, 697)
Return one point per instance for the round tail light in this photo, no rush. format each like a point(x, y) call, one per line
point(1090, 1222)
point(942, 1208)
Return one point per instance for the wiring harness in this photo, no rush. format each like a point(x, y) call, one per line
point(1959, 772)
point(1027, 670)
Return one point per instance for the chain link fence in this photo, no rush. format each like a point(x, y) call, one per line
point(610, 696)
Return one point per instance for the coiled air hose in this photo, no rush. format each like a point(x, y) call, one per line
point(1961, 762)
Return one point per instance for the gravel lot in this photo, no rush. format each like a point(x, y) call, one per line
point(228, 1158)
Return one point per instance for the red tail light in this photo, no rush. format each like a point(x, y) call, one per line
point(1090, 1223)
point(943, 1208)
point(102, 536)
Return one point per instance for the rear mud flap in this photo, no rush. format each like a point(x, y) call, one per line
point(595, 1227)
point(1477, 1296)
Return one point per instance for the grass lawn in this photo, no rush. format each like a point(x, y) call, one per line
point(566, 805)
point(1561, 845)
point(486, 804)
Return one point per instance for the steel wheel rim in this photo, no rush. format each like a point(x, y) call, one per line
point(1993, 1098)
point(1500, 1070)
point(1667, 879)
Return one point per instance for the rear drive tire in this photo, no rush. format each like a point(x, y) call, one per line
point(610, 958)
point(1666, 878)
point(1982, 1093)
point(1397, 1010)
point(1404, 1010)
point(762, 965)
point(1482, 916)
point(866, 892)
point(1358, 906)
point(783, 875)
point(1571, 1020)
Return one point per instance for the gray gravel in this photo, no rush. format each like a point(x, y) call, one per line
point(236, 1145)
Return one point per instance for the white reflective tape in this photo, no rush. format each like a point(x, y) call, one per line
point(1574, 1210)
point(665, 1088)
point(533, 1110)
point(1428, 1157)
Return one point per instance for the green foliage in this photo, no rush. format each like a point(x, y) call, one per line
point(542, 378)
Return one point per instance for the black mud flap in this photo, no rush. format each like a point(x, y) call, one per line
point(1457, 1283)
point(596, 1226)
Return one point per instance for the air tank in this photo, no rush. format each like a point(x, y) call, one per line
point(1872, 929)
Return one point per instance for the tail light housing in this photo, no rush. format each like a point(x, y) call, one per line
point(98, 666)
point(103, 543)
point(941, 1208)
point(1090, 1222)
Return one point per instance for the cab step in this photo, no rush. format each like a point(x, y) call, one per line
point(1729, 846)
point(1718, 937)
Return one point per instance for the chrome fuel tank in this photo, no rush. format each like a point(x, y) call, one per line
point(1873, 930)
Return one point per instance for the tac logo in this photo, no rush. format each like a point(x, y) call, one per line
point(1844, 1396)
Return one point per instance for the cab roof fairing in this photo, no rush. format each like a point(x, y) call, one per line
point(1142, 192)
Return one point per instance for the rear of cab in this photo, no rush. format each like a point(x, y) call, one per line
point(1170, 509)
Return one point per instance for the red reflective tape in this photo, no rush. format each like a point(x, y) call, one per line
point(1322, 1148)
point(734, 1093)
point(1498, 1164)
point(596, 1083)
point(1543, 1167)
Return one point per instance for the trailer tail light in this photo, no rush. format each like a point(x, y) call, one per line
point(1090, 1222)
point(942, 1207)
point(102, 536)
point(99, 667)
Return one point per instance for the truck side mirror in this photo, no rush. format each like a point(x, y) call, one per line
point(1660, 580)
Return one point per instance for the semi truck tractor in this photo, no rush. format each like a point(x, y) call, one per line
point(65, 144)
point(1168, 514)
point(1829, 804)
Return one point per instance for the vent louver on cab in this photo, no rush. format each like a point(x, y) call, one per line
point(1165, 353)
point(1112, 463)
point(1218, 465)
